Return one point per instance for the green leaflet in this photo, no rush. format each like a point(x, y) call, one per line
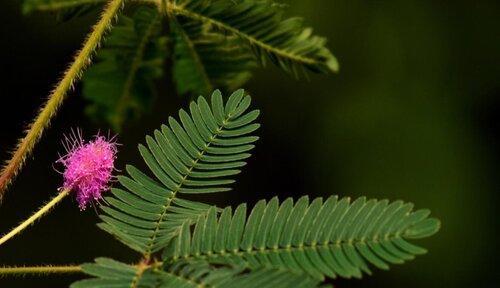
point(204, 60)
point(331, 238)
point(120, 84)
point(201, 274)
point(200, 154)
point(111, 273)
point(285, 42)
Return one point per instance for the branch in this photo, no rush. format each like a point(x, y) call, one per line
point(42, 270)
point(74, 72)
point(42, 211)
point(39, 270)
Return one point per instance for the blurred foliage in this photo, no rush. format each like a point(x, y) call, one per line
point(64, 9)
point(120, 85)
point(204, 60)
point(214, 45)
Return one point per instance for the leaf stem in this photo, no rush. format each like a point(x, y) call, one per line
point(42, 211)
point(39, 270)
point(72, 74)
point(152, 238)
point(184, 11)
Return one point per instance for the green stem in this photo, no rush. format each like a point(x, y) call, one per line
point(20, 271)
point(141, 267)
point(181, 10)
point(74, 72)
point(152, 238)
point(39, 270)
point(42, 211)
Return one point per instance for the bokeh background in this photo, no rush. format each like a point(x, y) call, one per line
point(413, 115)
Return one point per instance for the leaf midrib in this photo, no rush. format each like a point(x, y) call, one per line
point(138, 275)
point(281, 52)
point(147, 254)
point(199, 284)
point(302, 247)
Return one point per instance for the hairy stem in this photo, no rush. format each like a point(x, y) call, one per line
point(42, 270)
point(141, 267)
point(39, 270)
point(74, 72)
point(42, 211)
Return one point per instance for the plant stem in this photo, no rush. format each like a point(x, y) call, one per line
point(39, 270)
point(42, 211)
point(72, 74)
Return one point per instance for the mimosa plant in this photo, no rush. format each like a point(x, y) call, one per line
point(186, 243)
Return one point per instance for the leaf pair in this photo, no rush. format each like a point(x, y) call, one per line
point(313, 239)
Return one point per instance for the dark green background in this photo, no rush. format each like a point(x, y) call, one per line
point(413, 115)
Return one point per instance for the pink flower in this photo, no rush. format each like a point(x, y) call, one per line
point(88, 166)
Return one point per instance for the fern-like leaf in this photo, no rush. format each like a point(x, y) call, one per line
point(260, 24)
point(194, 156)
point(111, 273)
point(204, 60)
point(121, 82)
point(201, 274)
point(334, 237)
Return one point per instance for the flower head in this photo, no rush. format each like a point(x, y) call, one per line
point(88, 166)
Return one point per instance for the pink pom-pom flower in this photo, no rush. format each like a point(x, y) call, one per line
point(88, 166)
